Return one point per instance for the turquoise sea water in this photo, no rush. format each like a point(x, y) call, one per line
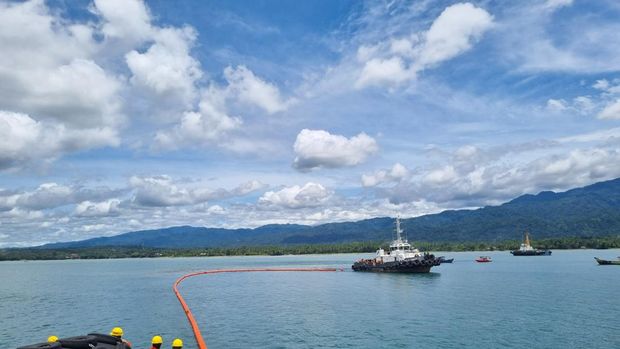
point(561, 301)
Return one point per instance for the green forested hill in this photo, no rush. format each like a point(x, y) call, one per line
point(589, 211)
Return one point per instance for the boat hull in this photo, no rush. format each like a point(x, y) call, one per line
point(606, 262)
point(531, 253)
point(416, 266)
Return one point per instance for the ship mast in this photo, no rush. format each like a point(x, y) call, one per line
point(398, 230)
point(527, 239)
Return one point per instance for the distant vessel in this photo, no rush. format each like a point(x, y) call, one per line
point(527, 250)
point(484, 259)
point(401, 258)
point(607, 262)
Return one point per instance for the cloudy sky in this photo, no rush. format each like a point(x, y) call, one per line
point(120, 115)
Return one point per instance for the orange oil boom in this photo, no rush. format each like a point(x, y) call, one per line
point(190, 317)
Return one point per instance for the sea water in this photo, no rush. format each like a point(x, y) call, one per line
point(561, 301)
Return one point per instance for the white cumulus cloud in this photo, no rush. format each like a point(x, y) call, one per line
point(495, 179)
point(128, 21)
point(452, 33)
point(55, 96)
point(24, 140)
point(556, 105)
point(440, 176)
point(162, 191)
point(248, 187)
point(309, 195)
point(213, 119)
point(397, 173)
point(611, 111)
point(318, 148)
point(250, 89)
point(98, 209)
point(198, 128)
point(52, 195)
point(378, 71)
point(166, 68)
point(48, 69)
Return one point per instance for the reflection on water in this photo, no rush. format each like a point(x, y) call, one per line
point(403, 280)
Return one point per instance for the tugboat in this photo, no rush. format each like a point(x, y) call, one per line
point(401, 258)
point(527, 250)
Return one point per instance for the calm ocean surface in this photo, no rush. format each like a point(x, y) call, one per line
point(561, 301)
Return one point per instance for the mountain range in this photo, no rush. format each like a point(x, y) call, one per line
point(593, 210)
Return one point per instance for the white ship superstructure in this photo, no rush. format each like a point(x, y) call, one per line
point(400, 249)
point(525, 246)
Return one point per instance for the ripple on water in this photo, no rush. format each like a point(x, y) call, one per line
point(562, 301)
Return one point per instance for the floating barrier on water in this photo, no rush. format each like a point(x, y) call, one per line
point(190, 317)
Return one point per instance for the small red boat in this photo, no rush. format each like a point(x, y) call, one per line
point(483, 259)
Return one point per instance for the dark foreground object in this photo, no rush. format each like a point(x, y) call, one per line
point(91, 341)
point(531, 253)
point(606, 262)
point(405, 266)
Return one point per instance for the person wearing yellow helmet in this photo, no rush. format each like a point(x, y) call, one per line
point(52, 339)
point(118, 333)
point(177, 344)
point(156, 342)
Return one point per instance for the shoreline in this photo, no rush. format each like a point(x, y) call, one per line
point(124, 252)
point(276, 256)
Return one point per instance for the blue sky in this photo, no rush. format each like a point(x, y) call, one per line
point(125, 115)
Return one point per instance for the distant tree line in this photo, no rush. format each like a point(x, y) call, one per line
point(104, 252)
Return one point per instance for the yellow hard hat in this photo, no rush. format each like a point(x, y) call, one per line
point(52, 339)
point(177, 343)
point(117, 332)
point(157, 340)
